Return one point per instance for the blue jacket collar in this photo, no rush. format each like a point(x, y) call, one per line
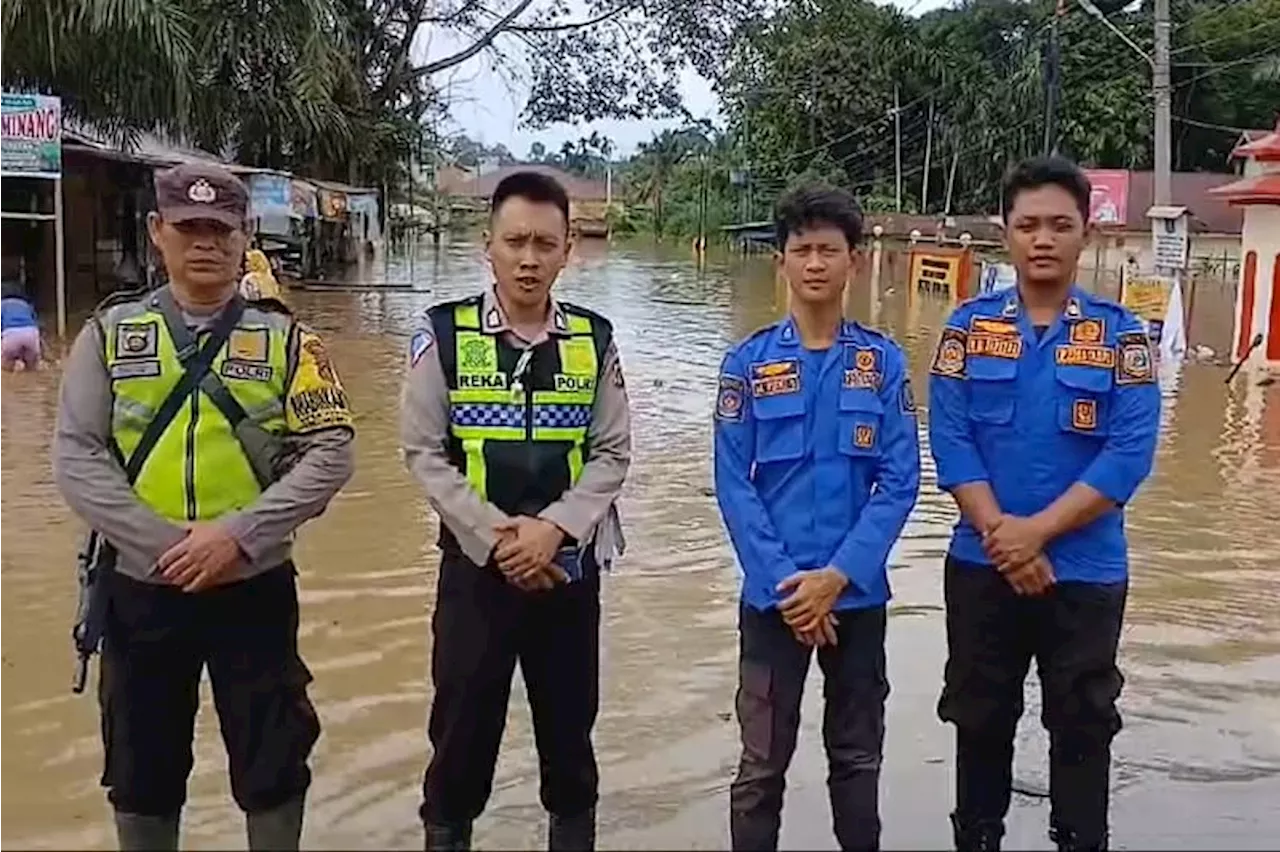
point(789, 334)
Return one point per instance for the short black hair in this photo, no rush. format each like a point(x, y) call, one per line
point(531, 186)
point(1036, 172)
point(818, 204)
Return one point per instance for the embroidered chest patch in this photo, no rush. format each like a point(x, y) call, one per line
point(775, 378)
point(1087, 332)
point(1077, 355)
point(1084, 414)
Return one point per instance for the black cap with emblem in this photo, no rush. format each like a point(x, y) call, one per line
point(201, 191)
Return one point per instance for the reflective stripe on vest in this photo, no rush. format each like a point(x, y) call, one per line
point(198, 469)
point(489, 405)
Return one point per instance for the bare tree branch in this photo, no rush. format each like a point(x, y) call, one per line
point(572, 25)
point(502, 24)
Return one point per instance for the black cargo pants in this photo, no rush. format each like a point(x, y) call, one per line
point(158, 641)
point(481, 627)
point(771, 674)
point(992, 635)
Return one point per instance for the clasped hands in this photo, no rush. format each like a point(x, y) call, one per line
point(526, 551)
point(207, 556)
point(807, 611)
point(1016, 544)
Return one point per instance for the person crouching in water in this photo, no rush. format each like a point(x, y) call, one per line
point(19, 332)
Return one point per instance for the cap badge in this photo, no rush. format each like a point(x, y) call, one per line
point(202, 193)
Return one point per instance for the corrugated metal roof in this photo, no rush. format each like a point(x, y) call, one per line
point(471, 185)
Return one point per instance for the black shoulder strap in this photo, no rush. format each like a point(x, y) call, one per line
point(217, 392)
point(197, 363)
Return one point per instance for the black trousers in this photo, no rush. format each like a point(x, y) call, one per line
point(771, 673)
point(992, 636)
point(481, 627)
point(158, 641)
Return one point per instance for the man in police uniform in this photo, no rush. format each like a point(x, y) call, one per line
point(515, 421)
point(1043, 414)
point(817, 466)
point(196, 433)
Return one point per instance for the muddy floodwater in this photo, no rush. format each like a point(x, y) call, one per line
point(1197, 765)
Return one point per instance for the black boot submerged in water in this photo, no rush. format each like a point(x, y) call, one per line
point(572, 834)
point(448, 838)
point(978, 836)
point(277, 829)
point(146, 833)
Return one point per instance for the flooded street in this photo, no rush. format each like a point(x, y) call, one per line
point(1196, 766)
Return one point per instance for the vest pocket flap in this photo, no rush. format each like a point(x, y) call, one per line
point(861, 400)
point(1094, 379)
point(778, 407)
point(989, 369)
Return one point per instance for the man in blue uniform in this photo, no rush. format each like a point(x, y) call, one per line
point(817, 466)
point(1043, 414)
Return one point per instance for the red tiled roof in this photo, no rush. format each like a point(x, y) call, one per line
point(471, 185)
point(1259, 189)
point(1265, 148)
point(1209, 213)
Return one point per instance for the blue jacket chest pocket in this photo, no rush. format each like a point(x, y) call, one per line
point(779, 427)
point(1084, 398)
point(859, 421)
point(993, 389)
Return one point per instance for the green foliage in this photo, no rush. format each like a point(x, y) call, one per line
point(336, 88)
point(809, 92)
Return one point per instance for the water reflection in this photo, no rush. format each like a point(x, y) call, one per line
point(1202, 647)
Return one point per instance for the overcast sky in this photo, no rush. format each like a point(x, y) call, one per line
point(487, 107)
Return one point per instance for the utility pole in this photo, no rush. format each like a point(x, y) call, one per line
point(1053, 82)
point(897, 148)
point(1160, 81)
point(928, 156)
point(1159, 89)
point(813, 106)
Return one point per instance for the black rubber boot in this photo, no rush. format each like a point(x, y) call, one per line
point(277, 829)
point(572, 834)
point(448, 838)
point(977, 836)
point(1068, 841)
point(145, 833)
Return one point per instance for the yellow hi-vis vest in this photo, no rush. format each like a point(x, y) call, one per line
point(198, 470)
point(519, 431)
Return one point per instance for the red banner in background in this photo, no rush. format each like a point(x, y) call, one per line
point(1109, 199)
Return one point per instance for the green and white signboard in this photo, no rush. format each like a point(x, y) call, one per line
point(32, 136)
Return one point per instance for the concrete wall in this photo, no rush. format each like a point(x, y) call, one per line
point(1261, 238)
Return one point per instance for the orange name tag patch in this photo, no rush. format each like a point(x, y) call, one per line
point(775, 378)
point(1078, 355)
point(1084, 414)
point(864, 435)
point(995, 346)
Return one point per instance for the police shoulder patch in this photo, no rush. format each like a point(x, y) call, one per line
point(907, 398)
point(731, 399)
point(1136, 363)
point(418, 346)
point(949, 358)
